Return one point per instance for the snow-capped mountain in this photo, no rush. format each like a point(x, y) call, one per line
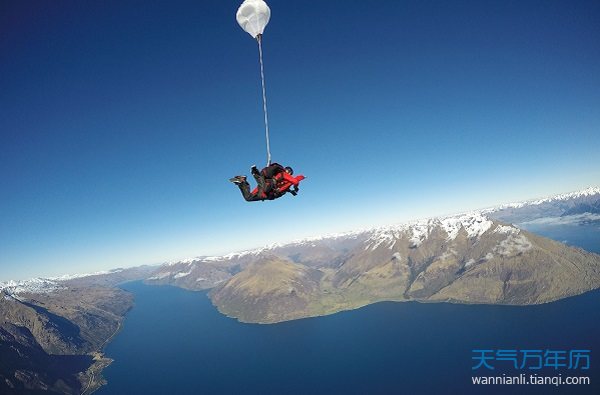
point(205, 272)
point(584, 194)
point(474, 257)
point(53, 284)
point(467, 258)
point(67, 277)
point(584, 203)
point(315, 251)
point(429, 255)
point(34, 286)
point(41, 285)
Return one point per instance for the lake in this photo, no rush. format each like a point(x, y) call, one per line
point(586, 236)
point(175, 342)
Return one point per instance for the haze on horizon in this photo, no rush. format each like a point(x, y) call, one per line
point(121, 123)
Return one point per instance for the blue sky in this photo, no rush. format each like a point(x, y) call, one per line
point(121, 122)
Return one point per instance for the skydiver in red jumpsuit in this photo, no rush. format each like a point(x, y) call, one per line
point(272, 182)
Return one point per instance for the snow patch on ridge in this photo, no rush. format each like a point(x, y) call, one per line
point(507, 230)
point(183, 261)
point(180, 275)
point(420, 232)
point(513, 245)
point(382, 238)
point(474, 223)
point(160, 276)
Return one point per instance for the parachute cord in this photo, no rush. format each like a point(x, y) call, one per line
point(264, 97)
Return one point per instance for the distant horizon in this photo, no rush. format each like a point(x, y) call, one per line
point(306, 238)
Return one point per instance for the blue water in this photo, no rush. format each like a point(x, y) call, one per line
point(579, 235)
point(175, 342)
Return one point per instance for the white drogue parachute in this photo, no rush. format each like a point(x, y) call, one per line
point(253, 16)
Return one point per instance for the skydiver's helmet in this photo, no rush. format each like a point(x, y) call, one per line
point(289, 170)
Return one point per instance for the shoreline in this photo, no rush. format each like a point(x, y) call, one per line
point(94, 373)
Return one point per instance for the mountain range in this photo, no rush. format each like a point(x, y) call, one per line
point(477, 257)
point(53, 331)
point(583, 204)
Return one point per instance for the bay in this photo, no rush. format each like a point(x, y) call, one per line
point(176, 342)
